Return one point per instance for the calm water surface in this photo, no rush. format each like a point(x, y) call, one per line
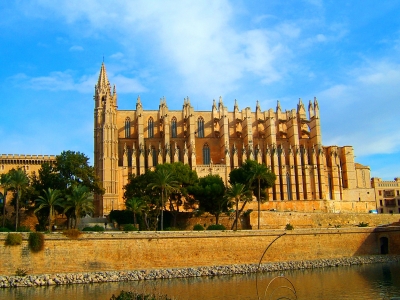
point(378, 281)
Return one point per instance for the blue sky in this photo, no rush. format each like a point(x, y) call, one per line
point(345, 53)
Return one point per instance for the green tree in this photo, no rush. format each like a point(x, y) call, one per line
point(138, 186)
point(19, 181)
point(137, 206)
point(209, 191)
point(184, 177)
point(74, 169)
point(79, 202)
point(48, 177)
point(164, 180)
point(5, 182)
point(238, 192)
point(263, 177)
point(50, 200)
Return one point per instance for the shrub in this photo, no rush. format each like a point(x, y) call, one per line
point(4, 229)
point(93, 228)
point(362, 224)
point(21, 272)
point(289, 226)
point(216, 227)
point(14, 239)
point(198, 227)
point(72, 233)
point(36, 241)
point(23, 229)
point(172, 229)
point(135, 296)
point(130, 227)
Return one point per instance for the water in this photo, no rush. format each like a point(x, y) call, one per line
point(377, 281)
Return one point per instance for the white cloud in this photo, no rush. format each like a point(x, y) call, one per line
point(193, 40)
point(117, 55)
point(360, 112)
point(65, 81)
point(76, 48)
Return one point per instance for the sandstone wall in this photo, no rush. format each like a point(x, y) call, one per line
point(278, 220)
point(155, 250)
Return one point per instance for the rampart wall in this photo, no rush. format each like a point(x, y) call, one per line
point(156, 250)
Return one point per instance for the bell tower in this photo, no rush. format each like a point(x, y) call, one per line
point(105, 144)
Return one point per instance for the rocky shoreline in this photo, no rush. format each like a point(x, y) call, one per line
point(113, 276)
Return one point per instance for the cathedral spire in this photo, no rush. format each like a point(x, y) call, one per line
point(103, 80)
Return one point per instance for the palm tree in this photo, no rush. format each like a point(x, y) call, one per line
point(5, 182)
point(165, 181)
point(136, 205)
point(238, 192)
point(258, 173)
point(79, 201)
point(50, 200)
point(19, 180)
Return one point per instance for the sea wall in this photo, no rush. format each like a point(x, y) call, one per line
point(114, 251)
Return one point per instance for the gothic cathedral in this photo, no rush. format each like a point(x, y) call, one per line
point(310, 176)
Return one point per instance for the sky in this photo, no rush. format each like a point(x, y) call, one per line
point(345, 53)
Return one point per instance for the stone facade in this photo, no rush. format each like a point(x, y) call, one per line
point(217, 141)
point(29, 163)
point(387, 194)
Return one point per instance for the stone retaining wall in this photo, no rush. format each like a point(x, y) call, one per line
point(118, 251)
point(135, 275)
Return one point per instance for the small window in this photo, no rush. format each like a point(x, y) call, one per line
point(380, 193)
point(200, 127)
point(127, 128)
point(206, 155)
point(150, 128)
point(173, 128)
point(398, 193)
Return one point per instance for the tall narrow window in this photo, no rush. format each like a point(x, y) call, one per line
point(154, 156)
point(173, 128)
point(206, 154)
point(127, 128)
point(150, 128)
point(200, 127)
point(289, 186)
point(330, 187)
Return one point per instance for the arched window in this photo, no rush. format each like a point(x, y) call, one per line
point(127, 128)
point(206, 154)
point(150, 128)
point(173, 128)
point(200, 127)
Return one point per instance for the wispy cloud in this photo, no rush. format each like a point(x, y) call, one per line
point(65, 81)
point(76, 48)
point(359, 112)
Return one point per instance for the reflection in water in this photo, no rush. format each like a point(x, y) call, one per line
point(378, 281)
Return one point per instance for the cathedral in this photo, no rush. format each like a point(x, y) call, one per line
point(310, 176)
